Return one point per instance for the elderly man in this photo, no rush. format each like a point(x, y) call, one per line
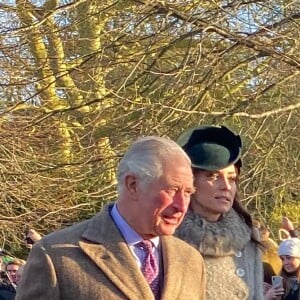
point(126, 251)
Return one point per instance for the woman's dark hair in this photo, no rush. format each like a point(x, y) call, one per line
point(243, 213)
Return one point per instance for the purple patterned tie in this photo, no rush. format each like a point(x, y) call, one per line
point(150, 267)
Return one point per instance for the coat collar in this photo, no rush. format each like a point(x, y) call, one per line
point(103, 243)
point(225, 237)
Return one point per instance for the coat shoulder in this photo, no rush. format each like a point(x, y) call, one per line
point(72, 234)
point(68, 235)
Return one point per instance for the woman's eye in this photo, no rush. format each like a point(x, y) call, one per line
point(213, 177)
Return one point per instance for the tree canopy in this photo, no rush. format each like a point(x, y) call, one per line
point(80, 80)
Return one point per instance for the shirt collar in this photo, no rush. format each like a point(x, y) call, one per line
point(130, 235)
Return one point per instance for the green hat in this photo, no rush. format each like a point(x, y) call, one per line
point(211, 148)
point(7, 259)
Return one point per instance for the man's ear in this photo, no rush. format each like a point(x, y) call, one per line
point(131, 183)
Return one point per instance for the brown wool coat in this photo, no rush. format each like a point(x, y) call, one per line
point(90, 260)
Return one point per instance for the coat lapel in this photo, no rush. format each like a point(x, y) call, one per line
point(173, 278)
point(103, 243)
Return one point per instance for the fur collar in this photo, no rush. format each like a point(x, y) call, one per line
point(225, 237)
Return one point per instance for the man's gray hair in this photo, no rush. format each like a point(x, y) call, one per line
point(145, 158)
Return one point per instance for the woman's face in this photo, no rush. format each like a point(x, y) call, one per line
point(215, 192)
point(290, 264)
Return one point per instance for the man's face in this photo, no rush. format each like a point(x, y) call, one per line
point(12, 271)
point(215, 192)
point(162, 203)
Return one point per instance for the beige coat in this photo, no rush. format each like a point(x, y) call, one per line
point(90, 260)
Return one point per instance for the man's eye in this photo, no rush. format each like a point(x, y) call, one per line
point(172, 191)
point(189, 193)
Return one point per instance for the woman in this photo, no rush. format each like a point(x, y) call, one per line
point(289, 252)
point(216, 224)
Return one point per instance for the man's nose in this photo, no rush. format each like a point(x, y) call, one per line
point(181, 201)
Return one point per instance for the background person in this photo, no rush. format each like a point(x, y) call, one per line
point(31, 237)
point(102, 258)
point(216, 223)
point(288, 225)
point(7, 292)
point(289, 252)
point(4, 259)
point(8, 282)
point(12, 267)
point(271, 261)
point(19, 274)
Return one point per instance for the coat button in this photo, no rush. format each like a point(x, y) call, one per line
point(240, 272)
point(241, 294)
point(238, 253)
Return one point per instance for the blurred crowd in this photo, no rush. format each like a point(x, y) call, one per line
point(281, 261)
point(11, 268)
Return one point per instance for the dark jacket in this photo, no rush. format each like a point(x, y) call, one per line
point(7, 291)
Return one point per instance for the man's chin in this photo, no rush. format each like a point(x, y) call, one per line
point(167, 229)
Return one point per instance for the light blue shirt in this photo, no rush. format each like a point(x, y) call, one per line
point(132, 238)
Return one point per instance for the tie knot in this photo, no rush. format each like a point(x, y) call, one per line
point(146, 245)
